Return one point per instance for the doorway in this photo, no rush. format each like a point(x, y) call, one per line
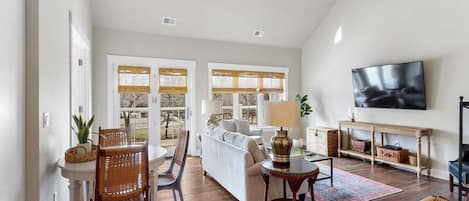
point(151, 97)
point(80, 77)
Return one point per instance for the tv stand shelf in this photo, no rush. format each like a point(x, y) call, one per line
point(383, 129)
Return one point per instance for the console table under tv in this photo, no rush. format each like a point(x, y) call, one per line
point(383, 129)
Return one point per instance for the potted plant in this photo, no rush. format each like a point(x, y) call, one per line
point(305, 108)
point(82, 131)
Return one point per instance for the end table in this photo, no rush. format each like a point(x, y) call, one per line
point(298, 171)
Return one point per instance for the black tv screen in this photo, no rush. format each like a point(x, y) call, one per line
point(400, 86)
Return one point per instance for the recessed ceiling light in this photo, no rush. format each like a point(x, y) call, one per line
point(169, 21)
point(258, 34)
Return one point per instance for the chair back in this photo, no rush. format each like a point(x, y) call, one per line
point(122, 173)
point(114, 137)
point(180, 153)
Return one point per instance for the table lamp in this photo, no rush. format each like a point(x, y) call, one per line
point(282, 114)
point(212, 108)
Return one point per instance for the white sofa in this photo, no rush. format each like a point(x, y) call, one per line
point(234, 166)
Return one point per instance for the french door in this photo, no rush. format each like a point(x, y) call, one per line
point(152, 97)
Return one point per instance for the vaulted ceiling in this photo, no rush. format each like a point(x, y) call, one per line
point(286, 23)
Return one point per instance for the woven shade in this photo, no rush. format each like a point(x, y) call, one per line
point(173, 80)
point(230, 81)
point(134, 79)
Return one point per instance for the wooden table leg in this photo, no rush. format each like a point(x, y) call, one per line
point(339, 141)
point(295, 184)
point(429, 159)
point(266, 191)
point(90, 190)
point(154, 184)
point(373, 146)
point(75, 190)
point(419, 155)
point(311, 182)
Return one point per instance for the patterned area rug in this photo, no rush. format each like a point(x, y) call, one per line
point(350, 187)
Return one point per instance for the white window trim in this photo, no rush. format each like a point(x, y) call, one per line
point(244, 67)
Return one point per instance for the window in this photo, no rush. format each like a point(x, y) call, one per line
point(227, 104)
point(244, 92)
point(248, 106)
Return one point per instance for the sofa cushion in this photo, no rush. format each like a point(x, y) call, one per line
point(245, 143)
point(242, 127)
point(228, 125)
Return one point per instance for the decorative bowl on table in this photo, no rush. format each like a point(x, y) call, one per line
point(80, 154)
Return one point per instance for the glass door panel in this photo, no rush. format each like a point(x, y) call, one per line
point(134, 115)
point(172, 117)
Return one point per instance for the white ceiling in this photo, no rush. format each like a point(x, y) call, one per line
point(287, 23)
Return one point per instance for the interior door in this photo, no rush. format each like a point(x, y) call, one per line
point(80, 76)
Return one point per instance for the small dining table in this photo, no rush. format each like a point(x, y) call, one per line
point(85, 173)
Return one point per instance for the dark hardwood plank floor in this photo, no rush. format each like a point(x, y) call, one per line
point(196, 187)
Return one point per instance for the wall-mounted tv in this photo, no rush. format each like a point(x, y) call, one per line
point(400, 86)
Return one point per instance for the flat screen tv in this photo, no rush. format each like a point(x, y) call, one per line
point(400, 86)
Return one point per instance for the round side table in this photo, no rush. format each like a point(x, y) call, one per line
point(298, 171)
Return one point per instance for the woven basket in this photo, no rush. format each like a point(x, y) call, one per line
point(396, 156)
point(435, 198)
point(362, 146)
point(413, 160)
point(79, 154)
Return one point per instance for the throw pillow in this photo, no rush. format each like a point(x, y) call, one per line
point(257, 154)
point(242, 127)
point(245, 143)
point(228, 125)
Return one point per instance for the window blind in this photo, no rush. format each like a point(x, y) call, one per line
point(173, 80)
point(230, 81)
point(133, 79)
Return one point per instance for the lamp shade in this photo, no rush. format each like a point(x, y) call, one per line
point(210, 107)
point(282, 114)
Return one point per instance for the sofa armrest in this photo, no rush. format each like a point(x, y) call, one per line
point(255, 169)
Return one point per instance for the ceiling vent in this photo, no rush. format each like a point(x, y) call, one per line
point(258, 34)
point(169, 21)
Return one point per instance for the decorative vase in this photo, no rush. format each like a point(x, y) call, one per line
point(281, 148)
point(87, 146)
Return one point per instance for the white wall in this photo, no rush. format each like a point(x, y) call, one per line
point(12, 100)
point(48, 90)
point(116, 42)
point(380, 32)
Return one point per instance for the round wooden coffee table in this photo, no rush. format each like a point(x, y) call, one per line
point(298, 171)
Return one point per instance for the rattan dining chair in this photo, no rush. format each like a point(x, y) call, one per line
point(122, 173)
point(114, 137)
point(171, 179)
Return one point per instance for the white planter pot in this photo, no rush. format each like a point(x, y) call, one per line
point(87, 146)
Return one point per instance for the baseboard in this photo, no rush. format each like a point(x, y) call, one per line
point(439, 174)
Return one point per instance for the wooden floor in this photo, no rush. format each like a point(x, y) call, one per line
point(196, 187)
